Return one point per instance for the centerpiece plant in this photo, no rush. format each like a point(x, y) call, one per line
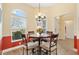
point(40, 30)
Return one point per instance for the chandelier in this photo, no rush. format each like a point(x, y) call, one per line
point(40, 15)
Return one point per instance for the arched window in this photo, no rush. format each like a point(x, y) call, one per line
point(18, 23)
point(18, 12)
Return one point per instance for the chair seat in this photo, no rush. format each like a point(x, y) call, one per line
point(45, 45)
point(32, 45)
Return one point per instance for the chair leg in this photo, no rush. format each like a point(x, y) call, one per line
point(40, 50)
point(49, 52)
point(56, 51)
point(0, 52)
point(33, 51)
point(27, 51)
point(23, 50)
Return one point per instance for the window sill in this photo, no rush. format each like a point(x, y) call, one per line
point(16, 40)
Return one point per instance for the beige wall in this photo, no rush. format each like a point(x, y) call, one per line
point(0, 29)
point(57, 10)
point(77, 22)
point(7, 8)
point(51, 12)
point(68, 21)
point(61, 28)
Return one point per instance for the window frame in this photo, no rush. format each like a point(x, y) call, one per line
point(13, 29)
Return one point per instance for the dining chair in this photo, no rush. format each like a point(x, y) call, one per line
point(51, 45)
point(30, 44)
point(0, 52)
point(30, 32)
point(49, 32)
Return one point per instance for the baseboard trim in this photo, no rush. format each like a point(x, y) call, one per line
point(13, 48)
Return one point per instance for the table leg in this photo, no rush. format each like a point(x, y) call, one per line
point(39, 47)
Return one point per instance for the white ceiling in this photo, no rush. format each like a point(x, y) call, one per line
point(41, 4)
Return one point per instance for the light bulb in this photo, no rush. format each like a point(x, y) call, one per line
point(39, 14)
point(42, 16)
point(36, 16)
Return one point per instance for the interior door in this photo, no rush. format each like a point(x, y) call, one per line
point(69, 29)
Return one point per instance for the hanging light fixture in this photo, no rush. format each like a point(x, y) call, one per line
point(40, 15)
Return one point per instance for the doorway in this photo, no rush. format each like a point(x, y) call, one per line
point(68, 22)
point(66, 31)
point(64, 25)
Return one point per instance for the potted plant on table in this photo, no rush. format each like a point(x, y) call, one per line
point(40, 30)
point(22, 33)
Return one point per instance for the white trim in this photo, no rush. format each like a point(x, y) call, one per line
point(14, 16)
point(13, 48)
point(16, 40)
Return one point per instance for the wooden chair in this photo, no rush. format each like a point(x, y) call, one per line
point(0, 52)
point(51, 45)
point(49, 32)
point(30, 45)
point(30, 32)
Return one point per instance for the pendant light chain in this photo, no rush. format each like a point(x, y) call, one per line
point(40, 15)
point(39, 7)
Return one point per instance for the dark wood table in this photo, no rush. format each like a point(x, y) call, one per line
point(39, 39)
